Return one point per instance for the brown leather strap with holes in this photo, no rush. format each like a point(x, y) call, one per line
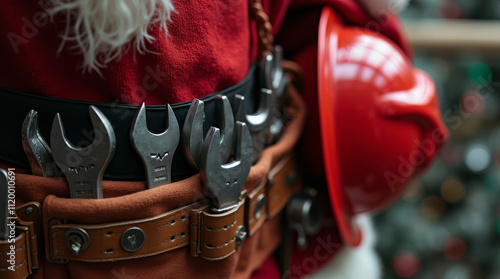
point(162, 233)
point(284, 181)
point(264, 28)
point(20, 265)
point(214, 236)
point(23, 249)
point(210, 235)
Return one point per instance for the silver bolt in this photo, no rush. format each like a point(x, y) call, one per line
point(29, 210)
point(77, 240)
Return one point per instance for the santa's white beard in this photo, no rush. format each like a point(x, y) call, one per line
point(102, 29)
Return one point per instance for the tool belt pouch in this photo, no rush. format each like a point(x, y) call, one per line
point(164, 232)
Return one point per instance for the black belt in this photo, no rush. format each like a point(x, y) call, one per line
point(126, 164)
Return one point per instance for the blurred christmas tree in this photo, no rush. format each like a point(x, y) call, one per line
point(448, 223)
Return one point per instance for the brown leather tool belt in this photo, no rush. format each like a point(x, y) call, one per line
point(141, 225)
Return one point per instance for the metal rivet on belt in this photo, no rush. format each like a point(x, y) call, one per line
point(77, 240)
point(259, 206)
point(132, 239)
point(241, 234)
point(29, 210)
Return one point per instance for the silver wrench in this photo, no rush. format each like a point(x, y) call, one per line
point(4, 207)
point(84, 167)
point(192, 131)
point(155, 150)
point(36, 148)
point(225, 182)
point(278, 82)
point(259, 122)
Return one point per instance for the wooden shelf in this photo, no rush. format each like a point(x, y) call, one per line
point(455, 35)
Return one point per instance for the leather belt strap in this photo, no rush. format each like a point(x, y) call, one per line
point(210, 235)
point(162, 233)
point(19, 257)
point(126, 164)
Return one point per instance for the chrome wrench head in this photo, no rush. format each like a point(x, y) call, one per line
point(274, 76)
point(276, 80)
point(36, 148)
point(224, 183)
point(84, 167)
point(4, 207)
point(155, 150)
point(192, 131)
point(259, 122)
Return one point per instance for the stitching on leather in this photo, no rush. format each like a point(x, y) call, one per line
point(219, 246)
point(15, 267)
point(174, 237)
point(173, 221)
point(226, 227)
point(54, 236)
point(17, 249)
point(109, 251)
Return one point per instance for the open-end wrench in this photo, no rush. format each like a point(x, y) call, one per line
point(259, 122)
point(275, 78)
point(155, 150)
point(192, 131)
point(277, 81)
point(225, 182)
point(84, 167)
point(4, 207)
point(36, 148)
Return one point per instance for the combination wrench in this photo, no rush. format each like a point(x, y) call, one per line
point(155, 150)
point(84, 167)
point(225, 182)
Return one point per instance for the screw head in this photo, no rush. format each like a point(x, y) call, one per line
point(77, 240)
point(29, 210)
point(241, 234)
point(132, 239)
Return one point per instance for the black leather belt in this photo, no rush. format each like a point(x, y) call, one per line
point(126, 164)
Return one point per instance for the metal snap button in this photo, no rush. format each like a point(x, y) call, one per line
point(132, 239)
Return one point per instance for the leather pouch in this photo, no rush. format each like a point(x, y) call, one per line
point(172, 205)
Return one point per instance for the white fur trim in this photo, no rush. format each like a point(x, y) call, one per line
point(102, 29)
point(355, 263)
point(380, 7)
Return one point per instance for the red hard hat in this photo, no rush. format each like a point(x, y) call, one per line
point(379, 117)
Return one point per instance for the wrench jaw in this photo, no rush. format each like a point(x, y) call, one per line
point(224, 183)
point(225, 120)
point(259, 122)
point(276, 79)
point(192, 131)
point(156, 150)
point(36, 148)
point(84, 167)
point(274, 76)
